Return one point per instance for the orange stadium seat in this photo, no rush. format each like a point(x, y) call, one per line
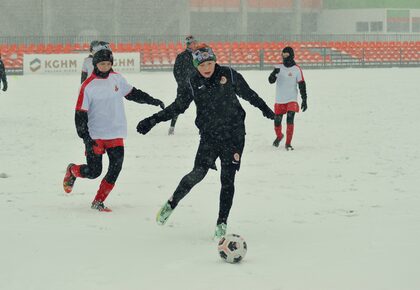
point(68, 48)
point(40, 48)
point(240, 53)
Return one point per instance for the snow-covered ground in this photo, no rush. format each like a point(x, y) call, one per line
point(341, 212)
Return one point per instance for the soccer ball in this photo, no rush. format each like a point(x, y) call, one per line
point(232, 248)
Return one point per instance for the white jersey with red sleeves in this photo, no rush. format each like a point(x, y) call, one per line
point(286, 84)
point(88, 65)
point(102, 99)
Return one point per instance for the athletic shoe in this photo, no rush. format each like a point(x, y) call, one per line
point(277, 141)
point(99, 205)
point(69, 179)
point(164, 213)
point(289, 147)
point(220, 231)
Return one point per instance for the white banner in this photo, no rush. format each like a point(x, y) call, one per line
point(72, 63)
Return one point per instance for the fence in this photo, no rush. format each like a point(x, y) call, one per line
point(244, 54)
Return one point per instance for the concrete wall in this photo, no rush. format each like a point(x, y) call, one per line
point(98, 17)
point(343, 21)
point(23, 18)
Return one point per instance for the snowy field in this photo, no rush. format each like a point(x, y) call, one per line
point(340, 212)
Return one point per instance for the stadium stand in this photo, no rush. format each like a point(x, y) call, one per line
point(243, 54)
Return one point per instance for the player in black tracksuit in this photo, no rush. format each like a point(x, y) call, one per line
point(3, 75)
point(183, 69)
point(220, 120)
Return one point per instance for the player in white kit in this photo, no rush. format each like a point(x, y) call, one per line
point(287, 76)
point(87, 67)
point(101, 123)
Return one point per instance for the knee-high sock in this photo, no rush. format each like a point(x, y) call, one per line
point(277, 129)
point(104, 190)
point(289, 133)
point(75, 170)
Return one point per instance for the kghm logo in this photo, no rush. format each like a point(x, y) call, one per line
point(35, 65)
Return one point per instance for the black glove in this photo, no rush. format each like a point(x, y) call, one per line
point(275, 71)
point(146, 125)
point(159, 103)
point(4, 86)
point(89, 143)
point(272, 78)
point(268, 113)
point(304, 105)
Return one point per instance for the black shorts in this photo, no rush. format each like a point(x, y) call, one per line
point(229, 151)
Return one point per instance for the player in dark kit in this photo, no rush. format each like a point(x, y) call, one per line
point(183, 69)
point(3, 75)
point(220, 120)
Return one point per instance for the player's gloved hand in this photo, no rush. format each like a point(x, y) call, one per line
point(272, 78)
point(89, 143)
point(144, 126)
point(304, 105)
point(4, 86)
point(275, 71)
point(159, 103)
point(268, 113)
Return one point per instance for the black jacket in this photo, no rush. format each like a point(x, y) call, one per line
point(183, 67)
point(219, 112)
point(3, 74)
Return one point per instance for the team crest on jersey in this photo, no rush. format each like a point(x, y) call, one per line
point(116, 88)
point(223, 80)
point(290, 74)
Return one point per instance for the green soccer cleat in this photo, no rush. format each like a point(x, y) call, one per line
point(164, 213)
point(220, 231)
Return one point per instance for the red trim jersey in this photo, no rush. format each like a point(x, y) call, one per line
point(102, 99)
point(286, 83)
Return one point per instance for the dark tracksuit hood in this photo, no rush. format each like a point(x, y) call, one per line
point(290, 60)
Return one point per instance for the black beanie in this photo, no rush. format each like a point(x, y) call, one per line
point(102, 55)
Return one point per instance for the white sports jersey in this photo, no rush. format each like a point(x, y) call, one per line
point(287, 80)
point(103, 101)
point(87, 66)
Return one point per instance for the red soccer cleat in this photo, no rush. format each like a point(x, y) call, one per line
point(69, 179)
point(99, 206)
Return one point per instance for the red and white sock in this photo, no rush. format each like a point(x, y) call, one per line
point(104, 190)
point(75, 170)
point(277, 129)
point(289, 133)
